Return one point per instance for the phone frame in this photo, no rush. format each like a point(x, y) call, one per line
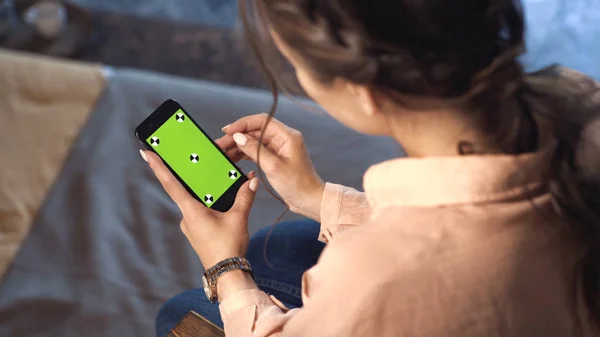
point(160, 116)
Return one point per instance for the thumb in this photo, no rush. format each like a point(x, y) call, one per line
point(245, 197)
point(250, 146)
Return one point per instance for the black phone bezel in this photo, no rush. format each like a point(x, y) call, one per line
point(162, 114)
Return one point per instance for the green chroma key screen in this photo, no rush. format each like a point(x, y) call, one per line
point(194, 157)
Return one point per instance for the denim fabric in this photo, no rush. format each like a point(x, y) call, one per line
point(278, 263)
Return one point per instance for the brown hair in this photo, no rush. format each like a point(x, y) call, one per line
point(466, 53)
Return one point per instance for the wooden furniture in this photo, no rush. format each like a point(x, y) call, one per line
point(194, 325)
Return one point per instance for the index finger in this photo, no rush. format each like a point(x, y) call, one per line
point(184, 200)
point(226, 142)
point(255, 123)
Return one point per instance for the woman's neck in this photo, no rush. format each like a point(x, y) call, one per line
point(442, 131)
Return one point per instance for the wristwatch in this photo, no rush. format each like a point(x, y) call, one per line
point(209, 280)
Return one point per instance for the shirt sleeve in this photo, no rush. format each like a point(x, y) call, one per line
point(241, 311)
point(342, 207)
point(253, 313)
point(341, 297)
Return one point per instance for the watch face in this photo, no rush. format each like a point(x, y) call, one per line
point(206, 286)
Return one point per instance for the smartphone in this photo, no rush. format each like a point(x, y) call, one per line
point(191, 155)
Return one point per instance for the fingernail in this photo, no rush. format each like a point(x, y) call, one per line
point(254, 184)
point(143, 154)
point(225, 127)
point(240, 139)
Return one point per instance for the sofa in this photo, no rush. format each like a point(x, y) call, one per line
point(90, 243)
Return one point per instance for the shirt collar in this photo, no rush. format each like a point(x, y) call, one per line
point(438, 181)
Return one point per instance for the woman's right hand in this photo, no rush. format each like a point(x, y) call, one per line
point(283, 158)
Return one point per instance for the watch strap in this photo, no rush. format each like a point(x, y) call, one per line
point(212, 274)
point(227, 265)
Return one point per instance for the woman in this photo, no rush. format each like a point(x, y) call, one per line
point(490, 228)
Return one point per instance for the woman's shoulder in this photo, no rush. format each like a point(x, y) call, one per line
point(449, 261)
point(397, 240)
point(449, 239)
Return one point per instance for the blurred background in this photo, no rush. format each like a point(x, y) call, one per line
point(222, 13)
point(89, 243)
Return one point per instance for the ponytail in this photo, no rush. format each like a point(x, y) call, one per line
point(567, 103)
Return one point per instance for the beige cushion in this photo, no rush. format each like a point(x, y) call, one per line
point(43, 104)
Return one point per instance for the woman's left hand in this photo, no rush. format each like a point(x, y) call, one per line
point(215, 236)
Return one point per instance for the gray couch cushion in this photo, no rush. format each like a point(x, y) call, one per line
point(106, 250)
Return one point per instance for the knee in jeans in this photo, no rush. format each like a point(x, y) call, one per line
point(171, 312)
point(166, 310)
point(299, 229)
point(260, 237)
point(175, 309)
point(290, 241)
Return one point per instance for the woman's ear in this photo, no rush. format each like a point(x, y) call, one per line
point(366, 98)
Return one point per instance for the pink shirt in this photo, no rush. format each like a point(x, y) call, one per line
point(435, 247)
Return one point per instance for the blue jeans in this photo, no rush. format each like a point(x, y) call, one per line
point(291, 250)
